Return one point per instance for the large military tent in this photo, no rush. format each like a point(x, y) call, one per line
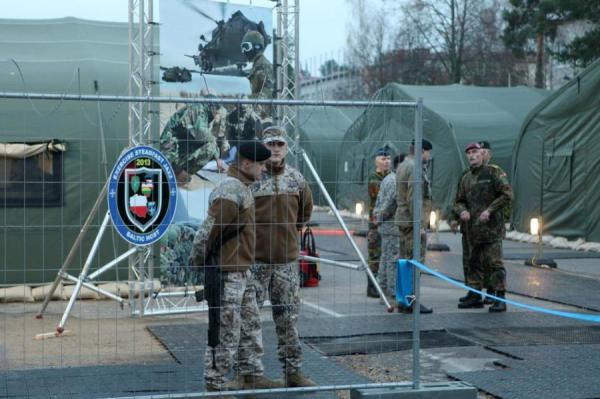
point(454, 115)
point(322, 131)
point(47, 195)
point(556, 166)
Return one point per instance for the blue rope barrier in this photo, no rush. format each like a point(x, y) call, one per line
point(570, 315)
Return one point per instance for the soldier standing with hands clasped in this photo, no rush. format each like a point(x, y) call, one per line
point(483, 192)
point(382, 168)
point(224, 246)
point(283, 205)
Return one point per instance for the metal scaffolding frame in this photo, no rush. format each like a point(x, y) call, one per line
point(288, 62)
point(141, 83)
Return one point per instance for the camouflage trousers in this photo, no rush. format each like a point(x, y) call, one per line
point(485, 263)
point(466, 258)
point(390, 250)
point(374, 249)
point(282, 283)
point(239, 333)
point(406, 245)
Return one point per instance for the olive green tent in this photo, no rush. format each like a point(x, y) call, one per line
point(454, 116)
point(41, 219)
point(556, 165)
point(322, 131)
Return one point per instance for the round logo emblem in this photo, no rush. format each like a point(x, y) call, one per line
point(142, 195)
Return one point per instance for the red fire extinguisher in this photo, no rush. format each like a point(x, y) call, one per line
point(309, 270)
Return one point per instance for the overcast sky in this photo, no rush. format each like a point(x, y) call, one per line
point(322, 23)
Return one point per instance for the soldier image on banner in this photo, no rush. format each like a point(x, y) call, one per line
point(382, 168)
point(187, 141)
point(261, 79)
point(483, 193)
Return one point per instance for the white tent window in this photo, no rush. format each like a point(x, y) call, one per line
point(31, 174)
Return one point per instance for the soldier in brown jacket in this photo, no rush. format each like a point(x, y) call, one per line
point(283, 205)
point(229, 231)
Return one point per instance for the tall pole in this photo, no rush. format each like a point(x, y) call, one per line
point(417, 210)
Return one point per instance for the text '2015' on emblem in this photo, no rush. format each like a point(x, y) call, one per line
point(142, 195)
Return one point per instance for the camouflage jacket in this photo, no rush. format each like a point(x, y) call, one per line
point(373, 185)
point(404, 217)
point(230, 212)
point(283, 205)
point(187, 141)
point(481, 188)
point(261, 78)
point(385, 206)
point(218, 128)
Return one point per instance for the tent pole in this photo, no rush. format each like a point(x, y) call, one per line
point(74, 249)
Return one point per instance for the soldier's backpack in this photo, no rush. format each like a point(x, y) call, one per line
point(309, 270)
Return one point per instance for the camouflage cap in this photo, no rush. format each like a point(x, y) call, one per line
point(274, 133)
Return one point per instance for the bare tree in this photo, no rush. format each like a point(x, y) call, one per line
point(446, 26)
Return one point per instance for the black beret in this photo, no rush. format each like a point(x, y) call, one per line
point(254, 150)
point(485, 145)
point(426, 145)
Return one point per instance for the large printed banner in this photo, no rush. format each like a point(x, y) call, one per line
point(204, 35)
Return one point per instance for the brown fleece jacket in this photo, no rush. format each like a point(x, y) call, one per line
point(283, 203)
point(231, 207)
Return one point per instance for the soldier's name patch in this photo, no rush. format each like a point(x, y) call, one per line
point(142, 195)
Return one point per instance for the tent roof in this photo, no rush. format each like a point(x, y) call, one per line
point(554, 165)
point(453, 116)
point(480, 113)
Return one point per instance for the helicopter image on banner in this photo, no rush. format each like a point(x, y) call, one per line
point(222, 51)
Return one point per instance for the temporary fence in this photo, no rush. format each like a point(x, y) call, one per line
point(97, 140)
point(128, 347)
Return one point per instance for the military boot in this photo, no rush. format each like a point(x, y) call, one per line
point(236, 384)
point(498, 306)
point(295, 378)
point(261, 382)
point(466, 297)
point(212, 388)
point(371, 290)
point(487, 300)
point(472, 303)
point(409, 309)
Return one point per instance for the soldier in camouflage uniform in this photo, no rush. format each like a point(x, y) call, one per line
point(382, 168)
point(187, 141)
point(404, 217)
point(175, 249)
point(283, 205)
point(385, 208)
point(231, 215)
point(261, 79)
point(483, 193)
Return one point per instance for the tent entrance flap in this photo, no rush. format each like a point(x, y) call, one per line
point(558, 170)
